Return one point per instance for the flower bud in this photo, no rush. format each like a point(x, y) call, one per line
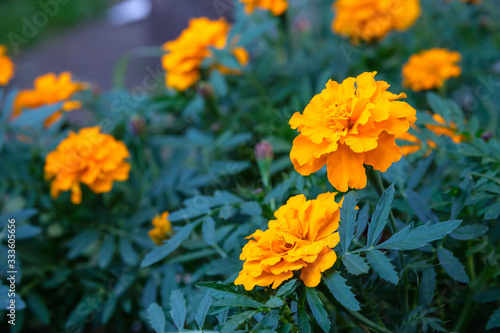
point(137, 125)
point(264, 150)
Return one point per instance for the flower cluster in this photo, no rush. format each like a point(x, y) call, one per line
point(162, 228)
point(301, 238)
point(430, 69)
point(277, 7)
point(50, 89)
point(89, 157)
point(6, 67)
point(348, 125)
point(369, 20)
point(185, 54)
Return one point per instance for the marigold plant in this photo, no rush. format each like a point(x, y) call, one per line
point(277, 7)
point(430, 69)
point(348, 125)
point(50, 89)
point(89, 157)
point(185, 54)
point(162, 228)
point(444, 128)
point(373, 19)
point(6, 67)
point(301, 238)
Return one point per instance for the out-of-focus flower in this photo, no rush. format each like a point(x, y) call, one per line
point(89, 157)
point(430, 69)
point(50, 89)
point(373, 19)
point(301, 238)
point(348, 125)
point(137, 125)
point(6, 67)
point(414, 144)
point(444, 128)
point(277, 7)
point(162, 228)
point(185, 54)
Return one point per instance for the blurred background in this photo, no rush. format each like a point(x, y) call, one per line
point(88, 37)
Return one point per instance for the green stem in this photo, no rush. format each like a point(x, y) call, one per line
point(363, 320)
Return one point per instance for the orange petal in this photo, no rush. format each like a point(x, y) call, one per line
point(386, 153)
point(345, 169)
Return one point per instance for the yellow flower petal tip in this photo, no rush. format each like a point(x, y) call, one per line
point(50, 89)
point(89, 157)
point(430, 69)
point(370, 20)
point(276, 7)
point(347, 125)
point(301, 238)
point(185, 55)
point(162, 228)
point(6, 67)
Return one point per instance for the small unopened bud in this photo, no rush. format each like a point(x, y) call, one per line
point(487, 136)
point(264, 150)
point(302, 25)
point(205, 89)
point(264, 157)
point(137, 125)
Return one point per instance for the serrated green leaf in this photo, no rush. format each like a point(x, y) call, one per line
point(470, 231)
point(494, 320)
point(379, 218)
point(238, 319)
point(340, 290)
point(156, 318)
point(355, 264)
point(286, 289)
point(452, 266)
point(274, 302)
point(202, 311)
point(493, 212)
point(348, 217)
point(382, 266)
point(178, 309)
point(127, 252)
point(427, 286)
point(220, 291)
point(208, 230)
point(106, 251)
point(318, 309)
point(303, 321)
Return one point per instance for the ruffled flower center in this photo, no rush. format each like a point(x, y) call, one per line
point(337, 116)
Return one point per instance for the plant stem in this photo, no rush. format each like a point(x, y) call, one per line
point(363, 320)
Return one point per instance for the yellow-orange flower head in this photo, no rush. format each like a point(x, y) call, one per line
point(185, 54)
point(162, 228)
point(449, 130)
point(50, 89)
point(348, 125)
point(430, 69)
point(301, 238)
point(277, 7)
point(89, 157)
point(373, 19)
point(6, 67)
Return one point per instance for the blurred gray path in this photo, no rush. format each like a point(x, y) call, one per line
point(91, 51)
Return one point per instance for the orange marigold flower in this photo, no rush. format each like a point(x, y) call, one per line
point(50, 89)
point(162, 228)
point(444, 128)
point(430, 69)
point(89, 157)
point(373, 19)
point(348, 125)
point(301, 238)
point(6, 67)
point(277, 7)
point(185, 54)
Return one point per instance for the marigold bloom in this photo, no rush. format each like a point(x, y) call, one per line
point(444, 128)
point(162, 228)
point(373, 19)
point(430, 69)
point(277, 7)
point(50, 89)
point(89, 157)
point(6, 67)
point(185, 54)
point(301, 238)
point(348, 125)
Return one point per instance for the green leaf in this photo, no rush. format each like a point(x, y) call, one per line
point(239, 301)
point(202, 311)
point(362, 220)
point(494, 320)
point(156, 318)
point(318, 309)
point(178, 309)
point(27, 231)
point(274, 302)
point(238, 319)
point(452, 266)
point(303, 321)
point(127, 252)
point(382, 266)
point(493, 212)
point(170, 246)
point(413, 238)
point(427, 286)
point(109, 309)
point(340, 290)
point(355, 264)
point(379, 217)
point(348, 217)
point(35, 117)
point(107, 250)
point(18, 216)
point(251, 208)
point(208, 229)
point(220, 291)
point(37, 305)
point(218, 83)
point(470, 231)
point(82, 242)
point(286, 289)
